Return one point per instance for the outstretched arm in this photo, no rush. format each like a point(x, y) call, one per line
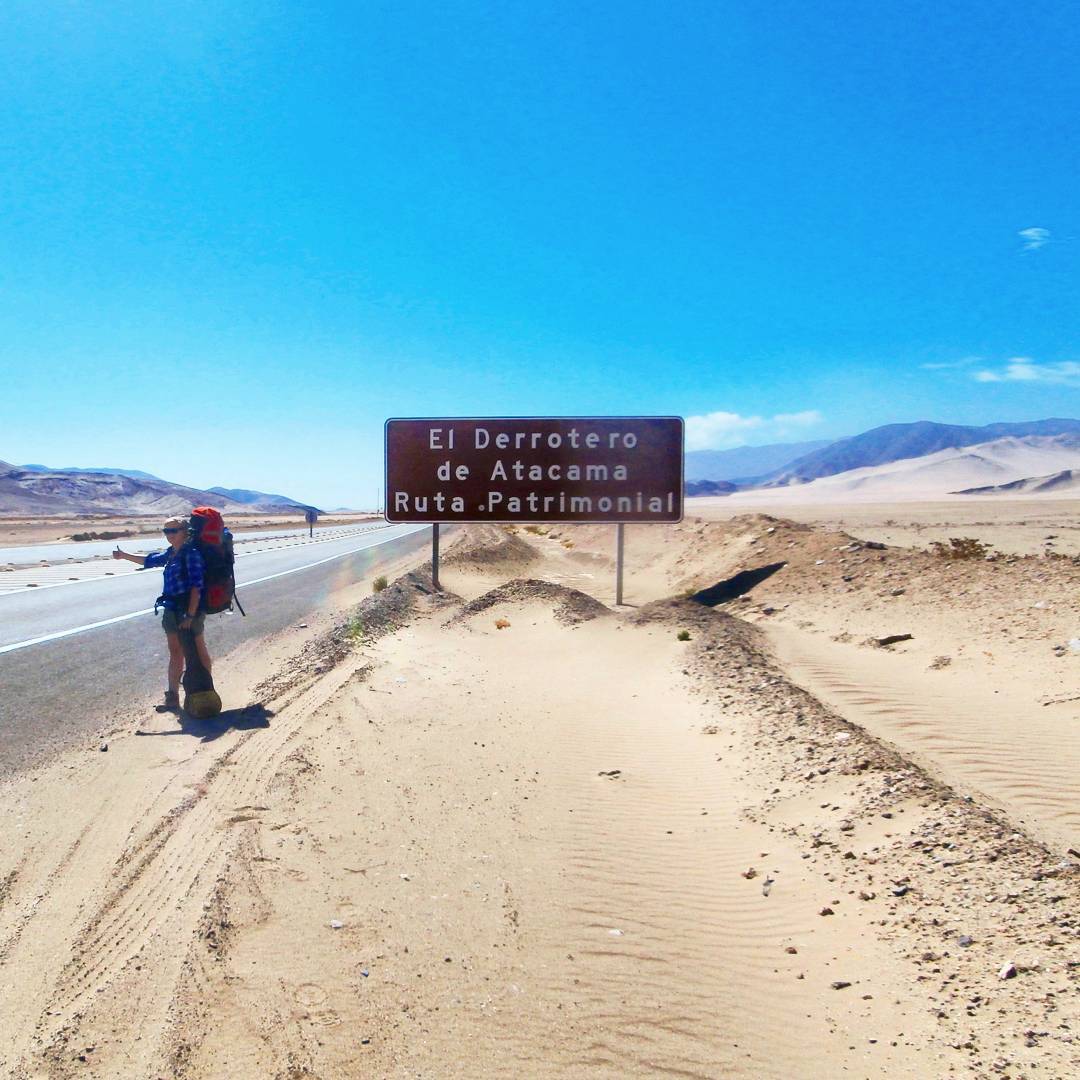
point(139, 559)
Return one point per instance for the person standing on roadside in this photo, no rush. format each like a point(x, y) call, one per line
point(184, 570)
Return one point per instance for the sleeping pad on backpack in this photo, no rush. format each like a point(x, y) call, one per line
point(200, 698)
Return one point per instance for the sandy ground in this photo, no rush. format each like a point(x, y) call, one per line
point(508, 831)
point(1013, 526)
point(17, 532)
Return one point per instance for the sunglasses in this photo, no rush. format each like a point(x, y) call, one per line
point(167, 531)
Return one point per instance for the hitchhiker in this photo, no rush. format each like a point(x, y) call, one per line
point(184, 570)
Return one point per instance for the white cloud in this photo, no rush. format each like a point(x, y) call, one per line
point(946, 365)
point(1024, 369)
point(1034, 238)
point(724, 430)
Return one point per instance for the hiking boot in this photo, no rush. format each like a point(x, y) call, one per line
point(171, 702)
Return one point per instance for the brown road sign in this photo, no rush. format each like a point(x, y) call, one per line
point(601, 469)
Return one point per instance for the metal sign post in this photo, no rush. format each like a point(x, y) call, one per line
point(311, 516)
point(619, 537)
point(435, 555)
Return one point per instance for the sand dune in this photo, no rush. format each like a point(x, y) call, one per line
point(936, 475)
point(1065, 481)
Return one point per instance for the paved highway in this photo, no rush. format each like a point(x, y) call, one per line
point(31, 554)
point(54, 573)
point(72, 655)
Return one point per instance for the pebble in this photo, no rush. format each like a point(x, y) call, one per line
point(826, 911)
point(1007, 972)
point(336, 924)
point(104, 747)
point(840, 984)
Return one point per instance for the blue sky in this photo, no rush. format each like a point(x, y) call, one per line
point(236, 237)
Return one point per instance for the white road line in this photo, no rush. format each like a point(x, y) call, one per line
point(74, 630)
point(149, 611)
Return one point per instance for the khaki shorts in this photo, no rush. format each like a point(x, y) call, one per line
point(170, 622)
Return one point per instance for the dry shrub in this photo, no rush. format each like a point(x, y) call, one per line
point(960, 547)
point(84, 536)
point(501, 624)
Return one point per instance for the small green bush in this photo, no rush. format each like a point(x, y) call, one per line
point(379, 584)
point(683, 635)
point(355, 629)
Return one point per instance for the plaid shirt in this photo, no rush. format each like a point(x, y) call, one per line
point(183, 572)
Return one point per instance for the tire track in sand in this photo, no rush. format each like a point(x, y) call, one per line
point(116, 987)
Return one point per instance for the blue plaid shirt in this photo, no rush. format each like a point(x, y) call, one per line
point(183, 573)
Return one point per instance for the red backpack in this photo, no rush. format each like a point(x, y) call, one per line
point(214, 542)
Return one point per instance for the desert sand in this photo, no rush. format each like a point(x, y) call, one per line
point(510, 830)
point(1012, 526)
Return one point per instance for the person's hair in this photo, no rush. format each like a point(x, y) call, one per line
point(174, 523)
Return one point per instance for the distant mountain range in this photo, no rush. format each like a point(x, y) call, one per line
point(954, 470)
point(135, 474)
point(710, 487)
point(38, 489)
point(894, 442)
point(257, 498)
point(743, 463)
point(918, 460)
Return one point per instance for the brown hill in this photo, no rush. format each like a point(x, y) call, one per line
point(25, 492)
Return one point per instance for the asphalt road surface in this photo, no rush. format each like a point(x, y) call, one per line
point(29, 554)
point(72, 656)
